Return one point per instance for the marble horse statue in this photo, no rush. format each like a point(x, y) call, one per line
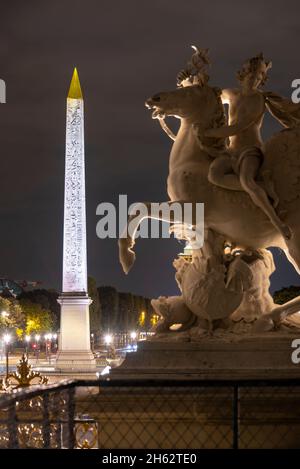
point(250, 190)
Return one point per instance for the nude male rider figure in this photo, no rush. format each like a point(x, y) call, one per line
point(246, 111)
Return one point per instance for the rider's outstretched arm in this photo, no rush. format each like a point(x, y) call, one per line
point(229, 130)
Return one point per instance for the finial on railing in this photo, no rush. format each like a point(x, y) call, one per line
point(23, 376)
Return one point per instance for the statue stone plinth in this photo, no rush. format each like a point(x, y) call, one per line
point(265, 356)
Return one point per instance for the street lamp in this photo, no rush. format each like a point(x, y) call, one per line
point(92, 342)
point(6, 339)
point(27, 340)
point(55, 342)
point(37, 340)
point(108, 339)
point(111, 352)
point(133, 336)
point(48, 339)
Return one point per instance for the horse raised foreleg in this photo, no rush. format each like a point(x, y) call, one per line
point(126, 254)
point(171, 212)
point(127, 239)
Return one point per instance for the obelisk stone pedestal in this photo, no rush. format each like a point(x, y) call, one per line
point(74, 341)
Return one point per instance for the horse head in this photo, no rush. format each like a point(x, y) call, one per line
point(194, 104)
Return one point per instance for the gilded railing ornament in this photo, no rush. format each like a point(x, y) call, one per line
point(24, 375)
point(86, 434)
point(3, 386)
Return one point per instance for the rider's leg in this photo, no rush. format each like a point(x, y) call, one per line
point(221, 174)
point(248, 171)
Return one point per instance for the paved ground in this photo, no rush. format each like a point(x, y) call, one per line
point(47, 367)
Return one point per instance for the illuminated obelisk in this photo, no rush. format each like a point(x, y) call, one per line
point(74, 343)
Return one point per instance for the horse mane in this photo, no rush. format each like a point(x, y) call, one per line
point(214, 147)
point(219, 118)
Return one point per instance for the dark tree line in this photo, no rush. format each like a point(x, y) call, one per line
point(110, 310)
point(286, 294)
point(122, 312)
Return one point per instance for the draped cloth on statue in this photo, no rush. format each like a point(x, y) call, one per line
point(283, 109)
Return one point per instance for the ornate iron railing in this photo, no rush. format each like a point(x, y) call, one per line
point(163, 414)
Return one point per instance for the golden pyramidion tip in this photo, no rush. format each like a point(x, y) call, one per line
point(75, 88)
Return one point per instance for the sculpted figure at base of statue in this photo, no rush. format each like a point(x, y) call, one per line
point(219, 287)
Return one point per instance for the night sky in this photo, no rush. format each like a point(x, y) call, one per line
point(125, 51)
